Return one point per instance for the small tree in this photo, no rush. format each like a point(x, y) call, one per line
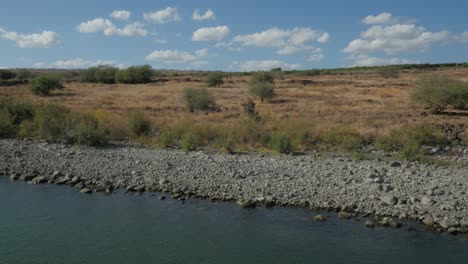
point(199, 99)
point(436, 93)
point(262, 77)
point(7, 74)
point(262, 90)
point(215, 79)
point(139, 123)
point(42, 85)
point(262, 85)
point(250, 110)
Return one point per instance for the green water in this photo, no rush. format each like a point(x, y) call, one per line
point(51, 224)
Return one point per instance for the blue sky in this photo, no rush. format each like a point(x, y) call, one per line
point(231, 35)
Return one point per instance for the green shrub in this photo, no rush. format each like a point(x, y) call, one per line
point(7, 128)
point(250, 109)
point(52, 123)
point(411, 151)
point(343, 137)
point(388, 72)
point(88, 132)
point(459, 96)
point(389, 142)
point(436, 93)
point(190, 141)
point(23, 74)
point(262, 77)
point(166, 138)
point(215, 79)
point(139, 123)
point(225, 143)
point(135, 75)
point(263, 90)
point(7, 74)
point(19, 111)
point(280, 142)
point(42, 85)
point(100, 74)
point(198, 99)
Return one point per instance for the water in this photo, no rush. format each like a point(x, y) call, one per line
point(56, 224)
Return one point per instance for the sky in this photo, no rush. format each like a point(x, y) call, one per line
point(231, 35)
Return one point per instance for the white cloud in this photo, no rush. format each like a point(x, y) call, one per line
point(464, 37)
point(78, 63)
point(130, 30)
point(316, 57)
point(175, 57)
point(107, 28)
point(211, 33)
point(95, 25)
point(395, 38)
point(160, 41)
point(121, 14)
point(323, 38)
point(202, 52)
point(288, 41)
point(208, 15)
point(383, 18)
point(364, 60)
point(264, 65)
point(37, 40)
point(169, 14)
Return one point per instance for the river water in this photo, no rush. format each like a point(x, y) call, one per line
point(55, 224)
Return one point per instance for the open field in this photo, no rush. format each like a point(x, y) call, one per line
point(362, 99)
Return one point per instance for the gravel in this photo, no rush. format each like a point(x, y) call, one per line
point(384, 189)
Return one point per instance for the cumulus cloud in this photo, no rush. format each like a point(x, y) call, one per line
point(121, 14)
point(464, 37)
point(107, 28)
point(287, 41)
point(36, 40)
point(263, 65)
point(175, 57)
point(395, 38)
point(163, 16)
point(364, 60)
point(316, 57)
point(79, 63)
point(211, 33)
point(208, 15)
point(383, 18)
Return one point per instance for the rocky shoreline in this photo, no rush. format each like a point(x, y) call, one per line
point(389, 191)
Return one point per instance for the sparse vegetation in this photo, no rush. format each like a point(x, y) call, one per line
point(7, 74)
point(215, 79)
point(43, 85)
point(436, 93)
point(135, 75)
point(198, 99)
point(388, 72)
point(139, 124)
point(250, 109)
point(23, 74)
point(99, 74)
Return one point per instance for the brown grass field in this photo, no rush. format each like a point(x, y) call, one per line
point(362, 99)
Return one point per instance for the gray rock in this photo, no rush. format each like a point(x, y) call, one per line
point(395, 164)
point(56, 175)
point(86, 190)
point(246, 203)
point(389, 199)
point(14, 177)
point(427, 201)
point(320, 218)
point(446, 224)
point(369, 224)
point(452, 230)
point(39, 180)
point(344, 215)
point(428, 221)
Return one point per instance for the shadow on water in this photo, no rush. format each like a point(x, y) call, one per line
point(52, 224)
